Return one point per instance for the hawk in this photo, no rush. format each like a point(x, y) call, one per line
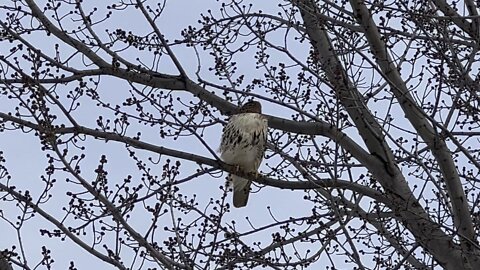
point(243, 145)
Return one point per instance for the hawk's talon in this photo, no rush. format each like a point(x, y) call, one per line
point(236, 169)
point(256, 175)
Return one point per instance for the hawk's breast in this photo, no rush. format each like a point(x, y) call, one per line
point(243, 140)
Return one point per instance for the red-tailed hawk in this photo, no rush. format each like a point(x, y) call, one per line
point(243, 144)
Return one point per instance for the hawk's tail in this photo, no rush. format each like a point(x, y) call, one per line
point(241, 190)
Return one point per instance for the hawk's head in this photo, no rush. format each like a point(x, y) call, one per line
point(251, 107)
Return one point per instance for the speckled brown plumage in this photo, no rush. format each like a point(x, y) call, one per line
point(243, 144)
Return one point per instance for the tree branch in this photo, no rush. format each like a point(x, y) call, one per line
point(461, 213)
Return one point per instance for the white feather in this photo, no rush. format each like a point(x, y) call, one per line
point(243, 144)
